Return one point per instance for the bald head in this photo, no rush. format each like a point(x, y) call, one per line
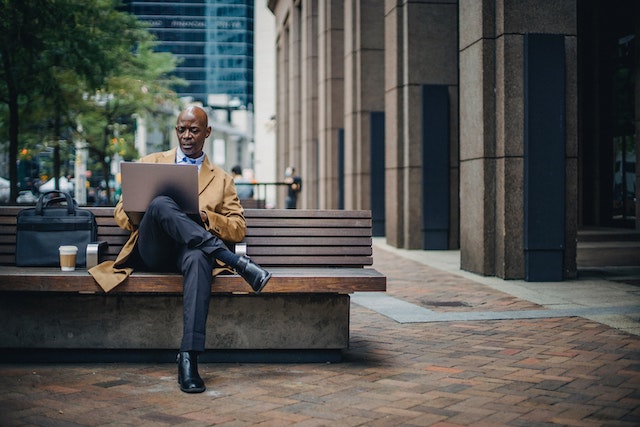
point(195, 112)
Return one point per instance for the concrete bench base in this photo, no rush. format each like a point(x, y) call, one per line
point(154, 322)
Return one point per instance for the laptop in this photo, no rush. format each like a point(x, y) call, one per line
point(142, 182)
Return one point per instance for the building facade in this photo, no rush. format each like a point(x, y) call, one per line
point(496, 127)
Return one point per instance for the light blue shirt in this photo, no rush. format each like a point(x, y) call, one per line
point(181, 159)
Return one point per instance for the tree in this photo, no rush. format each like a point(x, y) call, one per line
point(19, 48)
point(55, 51)
point(140, 86)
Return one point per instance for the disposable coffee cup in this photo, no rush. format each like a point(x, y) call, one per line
point(68, 257)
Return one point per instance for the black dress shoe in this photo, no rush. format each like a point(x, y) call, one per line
point(188, 377)
point(255, 275)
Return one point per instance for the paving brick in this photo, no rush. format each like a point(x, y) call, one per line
point(548, 371)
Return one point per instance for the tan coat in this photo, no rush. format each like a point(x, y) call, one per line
point(217, 197)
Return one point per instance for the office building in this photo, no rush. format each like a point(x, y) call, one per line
point(496, 127)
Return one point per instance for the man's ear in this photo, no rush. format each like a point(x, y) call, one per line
point(208, 132)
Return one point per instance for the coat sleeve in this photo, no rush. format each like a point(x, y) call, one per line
point(224, 213)
point(121, 217)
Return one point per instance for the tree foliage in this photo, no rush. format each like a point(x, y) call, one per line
point(71, 62)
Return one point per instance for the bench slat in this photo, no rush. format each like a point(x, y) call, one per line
point(280, 241)
point(328, 261)
point(7, 260)
point(285, 280)
point(293, 251)
point(308, 232)
point(307, 223)
point(307, 213)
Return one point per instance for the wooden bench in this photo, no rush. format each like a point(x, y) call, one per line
point(317, 257)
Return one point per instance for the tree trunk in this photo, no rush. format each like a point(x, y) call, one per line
point(14, 123)
point(56, 147)
point(106, 164)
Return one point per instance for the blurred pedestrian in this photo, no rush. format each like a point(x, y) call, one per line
point(243, 186)
point(295, 186)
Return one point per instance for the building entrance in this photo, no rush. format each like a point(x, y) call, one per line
point(608, 70)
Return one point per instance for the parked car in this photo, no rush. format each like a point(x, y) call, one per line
point(26, 197)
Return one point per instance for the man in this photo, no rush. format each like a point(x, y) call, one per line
point(168, 240)
point(243, 187)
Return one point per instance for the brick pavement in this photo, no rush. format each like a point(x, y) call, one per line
point(541, 372)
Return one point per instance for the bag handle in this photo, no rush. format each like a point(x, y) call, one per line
point(71, 208)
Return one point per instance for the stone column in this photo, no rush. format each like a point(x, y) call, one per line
point(364, 80)
point(294, 137)
point(420, 49)
point(394, 123)
point(308, 167)
point(330, 99)
point(282, 106)
point(637, 121)
point(289, 75)
point(477, 135)
point(492, 130)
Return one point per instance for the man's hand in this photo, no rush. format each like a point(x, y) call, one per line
point(204, 217)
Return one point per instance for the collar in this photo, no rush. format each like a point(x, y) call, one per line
point(181, 159)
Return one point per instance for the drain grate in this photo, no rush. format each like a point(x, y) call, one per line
point(447, 303)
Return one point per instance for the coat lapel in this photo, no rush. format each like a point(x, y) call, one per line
point(206, 175)
point(167, 156)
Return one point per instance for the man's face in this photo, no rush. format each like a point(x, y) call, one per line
point(192, 130)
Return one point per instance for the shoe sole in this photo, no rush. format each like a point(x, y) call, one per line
point(193, 390)
point(190, 390)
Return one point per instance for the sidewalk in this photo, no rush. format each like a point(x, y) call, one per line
point(602, 294)
point(441, 348)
